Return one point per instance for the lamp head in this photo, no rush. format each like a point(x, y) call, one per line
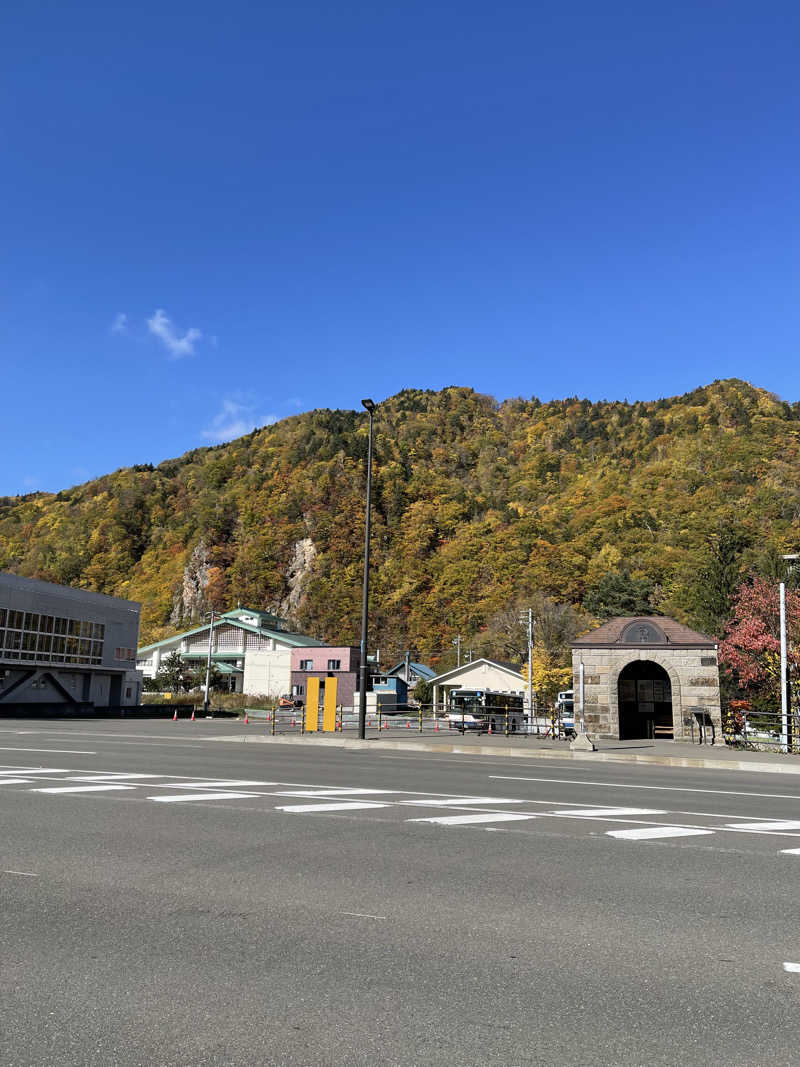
point(369, 405)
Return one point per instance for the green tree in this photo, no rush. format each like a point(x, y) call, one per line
point(620, 594)
point(422, 692)
point(172, 674)
point(709, 598)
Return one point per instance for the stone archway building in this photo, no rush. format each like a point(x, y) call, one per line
point(688, 658)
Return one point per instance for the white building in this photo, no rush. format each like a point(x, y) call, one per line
point(482, 674)
point(252, 648)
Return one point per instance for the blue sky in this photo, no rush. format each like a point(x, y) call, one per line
point(214, 216)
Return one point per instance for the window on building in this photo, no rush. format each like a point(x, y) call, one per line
point(334, 664)
point(306, 665)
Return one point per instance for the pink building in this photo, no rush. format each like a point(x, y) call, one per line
point(340, 662)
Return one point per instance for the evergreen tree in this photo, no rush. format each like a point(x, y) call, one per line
point(620, 594)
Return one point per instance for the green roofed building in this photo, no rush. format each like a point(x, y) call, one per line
point(252, 648)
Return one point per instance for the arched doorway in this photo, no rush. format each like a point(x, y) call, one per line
point(645, 701)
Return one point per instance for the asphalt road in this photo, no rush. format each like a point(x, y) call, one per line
point(248, 903)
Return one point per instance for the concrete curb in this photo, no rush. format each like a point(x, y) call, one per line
point(444, 748)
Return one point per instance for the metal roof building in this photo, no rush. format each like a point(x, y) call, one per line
point(253, 648)
point(64, 648)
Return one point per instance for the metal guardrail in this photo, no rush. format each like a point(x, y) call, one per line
point(422, 720)
point(760, 730)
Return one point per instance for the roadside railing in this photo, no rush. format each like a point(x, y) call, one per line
point(409, 721)
point(743, 727)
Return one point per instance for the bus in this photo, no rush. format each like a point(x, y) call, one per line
point(482, 709)
point(565, 712)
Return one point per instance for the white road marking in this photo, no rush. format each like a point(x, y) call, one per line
point(334, 793)
point(658, 788)
point(206, 783)
point(792, 968)
point(460, 802)
point(647, 833)
point(23, 874)
point(467, 820)
point(35, 770)
point(773, 825)
point(70, 751)
point(789, 852)
point(299, 809)
point(15, 781)
point(109, 777)
point(81, 788)
point(219, 795)
point(362, 915)
point(605, 813)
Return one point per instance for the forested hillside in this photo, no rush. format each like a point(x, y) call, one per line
point(478, 504)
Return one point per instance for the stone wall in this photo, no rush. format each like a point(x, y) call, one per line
point(694, 679)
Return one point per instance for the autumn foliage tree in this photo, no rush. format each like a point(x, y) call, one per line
point(751, 648)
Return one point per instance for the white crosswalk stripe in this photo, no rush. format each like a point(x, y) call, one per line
point(473, 820)
point(652, 833)
point(605, 813)
point(81, 788)
point(218, 795)
point(299, 809)
point(460, 802)
point(110, 777)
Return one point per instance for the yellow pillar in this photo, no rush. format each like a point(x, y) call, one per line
point(312, 705)
point(329, 707)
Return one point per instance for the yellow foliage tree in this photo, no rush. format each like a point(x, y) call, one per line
point(549, 674)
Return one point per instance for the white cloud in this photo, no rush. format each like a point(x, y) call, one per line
point(120, 323)
point(235, 419)
point(161, 326)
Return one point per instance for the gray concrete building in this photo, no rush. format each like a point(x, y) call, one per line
point(64, 648)
point(646, 677)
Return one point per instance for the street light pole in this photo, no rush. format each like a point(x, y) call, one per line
point(206, 702)
point(369, 406)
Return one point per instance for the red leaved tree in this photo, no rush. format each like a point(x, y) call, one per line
point(751, 649)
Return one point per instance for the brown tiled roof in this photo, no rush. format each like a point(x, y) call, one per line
point(677, 635)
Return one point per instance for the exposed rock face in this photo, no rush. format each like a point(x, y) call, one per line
point(189, 601)
point(302, 561)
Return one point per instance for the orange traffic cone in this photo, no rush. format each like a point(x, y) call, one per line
point(386, 726)
point(175, 716)
point(408, 724)
point(436, 725)
point(246, 720)
point(293, 722)
point(490, 727)
point(192, 719)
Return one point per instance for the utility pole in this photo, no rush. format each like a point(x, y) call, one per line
point(527, 617)
point(206, 701)
point(457, 644)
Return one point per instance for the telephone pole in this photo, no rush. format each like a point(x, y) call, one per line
point(527, 617)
